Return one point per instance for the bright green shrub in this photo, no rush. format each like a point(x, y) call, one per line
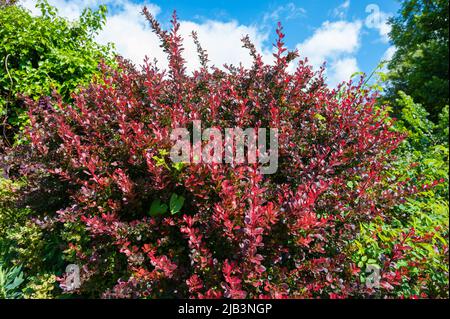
point(415, 238)
point(40, 287)
point(25, 244)
point(44, 53)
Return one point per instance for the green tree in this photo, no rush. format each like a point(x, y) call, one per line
point(39, 54)
point(420, 65)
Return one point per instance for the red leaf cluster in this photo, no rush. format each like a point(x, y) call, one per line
point(240, 234)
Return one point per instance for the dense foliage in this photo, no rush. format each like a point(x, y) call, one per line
point(421, 224)
point(420, 64)
point(91, 183)
point(39, 54)
point(240, 233)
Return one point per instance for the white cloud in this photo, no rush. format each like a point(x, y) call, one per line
point(387, 56)
point(342, 69)
point(383, 27)
point(330, 40)
point(342, 10)
point(125, 26)
point(286, 12)
point(222, 40)
point(389, 53)
point(336, 43)
point(129, 31)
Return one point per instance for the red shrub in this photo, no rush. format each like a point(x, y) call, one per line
point(239, 234)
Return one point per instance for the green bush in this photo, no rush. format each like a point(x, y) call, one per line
point(41, 54)
point(420, 226)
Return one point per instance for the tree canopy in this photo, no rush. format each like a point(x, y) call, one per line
point(420, 65)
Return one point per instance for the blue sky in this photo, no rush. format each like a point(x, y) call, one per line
point(350, 35)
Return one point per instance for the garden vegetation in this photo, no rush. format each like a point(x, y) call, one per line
point(362, 179)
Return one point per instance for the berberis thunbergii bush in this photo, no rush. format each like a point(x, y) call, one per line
point(139, 225)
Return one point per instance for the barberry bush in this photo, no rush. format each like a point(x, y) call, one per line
point(141, 226)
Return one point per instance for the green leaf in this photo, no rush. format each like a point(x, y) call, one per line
point(357, 74)
point(371, 262)
point(176, 202)
point(157, 208)
point(320, 117)
point(178, 166)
